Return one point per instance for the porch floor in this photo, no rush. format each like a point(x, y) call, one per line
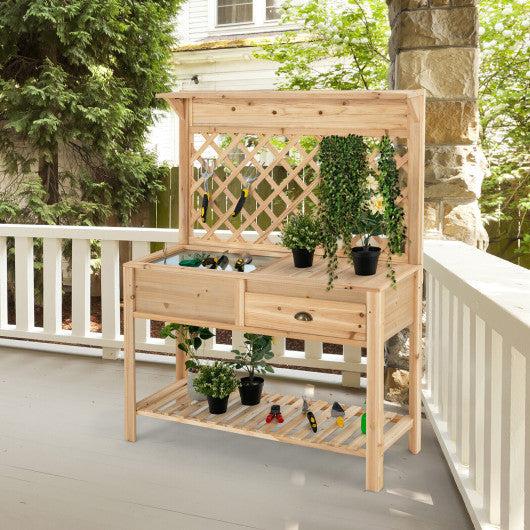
point(65, 465)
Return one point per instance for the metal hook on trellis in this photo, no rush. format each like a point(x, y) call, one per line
point(245, 190)
point(207, 168)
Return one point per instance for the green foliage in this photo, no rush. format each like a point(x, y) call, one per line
point(301, 230)
point(258, 352)
point(393, 216)
point(343, 171)
point(505, 124)
point(341, 47)
point(77, 86)
point(190, 339)
point(356, 200)
point(217, 380)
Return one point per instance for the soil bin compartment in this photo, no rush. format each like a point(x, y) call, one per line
point(174, 260)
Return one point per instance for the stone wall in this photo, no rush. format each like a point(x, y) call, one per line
point(434, 45)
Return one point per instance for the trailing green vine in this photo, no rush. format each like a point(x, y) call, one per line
point(343, 170)
point(394, 226)
point(357, 200)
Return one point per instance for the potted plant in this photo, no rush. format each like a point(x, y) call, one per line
point(301, 234)
point(355, 200)
point(216, 381)
point(189, 340)
point(253, 360)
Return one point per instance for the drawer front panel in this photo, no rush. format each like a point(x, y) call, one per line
point(328, 318)
point(188, 297)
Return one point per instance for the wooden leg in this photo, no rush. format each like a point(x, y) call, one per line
point(129, 356)
point(180, 366)
point(375, 391)
point(415, 367)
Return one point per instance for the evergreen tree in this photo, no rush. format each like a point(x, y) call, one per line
point(78, 80)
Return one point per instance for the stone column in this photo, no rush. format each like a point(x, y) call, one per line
point(434, 45)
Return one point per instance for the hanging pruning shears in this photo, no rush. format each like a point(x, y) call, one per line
point(244, 193)
point(207, 167)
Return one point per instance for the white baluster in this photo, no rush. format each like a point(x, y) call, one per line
point(452, 366)
point(492, 430)
point(429, 339)
point(278, 346)
point(24, 294)
point(3, 282)
point(313, 350)
point(436, 353)
point(480, 401)
point(445, 351)
point(52, 285)
point(472, 447)
point(464, 376)
point(352, 354)
point(80, 287)
point(110, 295)
point(512, 439)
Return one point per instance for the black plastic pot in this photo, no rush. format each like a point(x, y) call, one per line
point(365, 260)
point(217, 405)
point(251, 392)
point(303, 258)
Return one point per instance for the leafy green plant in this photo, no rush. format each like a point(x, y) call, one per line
point(351, 37)
point(343, 170)
point(393, 216)
point(356, 200)
point(77, 85)
point(217, 380)
point(301, 230)
point(254, 358)
point(190, 339)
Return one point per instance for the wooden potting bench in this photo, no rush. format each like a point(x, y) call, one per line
point(241, 129)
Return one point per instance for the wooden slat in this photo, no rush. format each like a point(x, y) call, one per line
point(162, 401)
point(153, 398)
point(324, 433)
point(360, 440)
point(250, 421)
point(397, 431)
point(346, 432)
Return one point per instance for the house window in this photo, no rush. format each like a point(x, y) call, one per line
point(272, 11)
point(234, 11)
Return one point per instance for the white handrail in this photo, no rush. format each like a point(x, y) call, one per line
point(110, 339)
point(478, 372)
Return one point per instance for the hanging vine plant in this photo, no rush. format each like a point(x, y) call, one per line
point(356, 200)
point(393, 222)
point(343, 171)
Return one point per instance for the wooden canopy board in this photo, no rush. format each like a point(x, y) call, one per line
point(274, 136)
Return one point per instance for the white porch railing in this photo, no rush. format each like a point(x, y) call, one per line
point(478, 370)
point(110, 339)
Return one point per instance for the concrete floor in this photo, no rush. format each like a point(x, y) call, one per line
point(64, 463)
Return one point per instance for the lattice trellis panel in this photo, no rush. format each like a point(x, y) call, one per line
point(287, 178)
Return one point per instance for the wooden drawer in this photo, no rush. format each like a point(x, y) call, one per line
point(182, 294)
point(328, 318)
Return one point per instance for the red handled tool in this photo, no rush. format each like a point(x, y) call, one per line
point(275, 412)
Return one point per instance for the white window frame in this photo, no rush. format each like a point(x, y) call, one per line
point(259, 11)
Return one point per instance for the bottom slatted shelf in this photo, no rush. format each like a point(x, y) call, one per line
point(173, 403)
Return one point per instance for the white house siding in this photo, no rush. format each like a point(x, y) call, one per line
point(226, 68)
